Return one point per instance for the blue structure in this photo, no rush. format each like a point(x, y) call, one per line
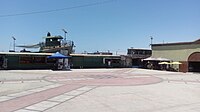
point(62, 61)
point(57, 55)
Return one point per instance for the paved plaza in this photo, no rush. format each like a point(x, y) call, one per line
point(99, 90)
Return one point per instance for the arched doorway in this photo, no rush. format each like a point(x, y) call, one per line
point(194, 62)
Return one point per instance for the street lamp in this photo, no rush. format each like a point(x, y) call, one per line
point(65, 34)
point(117, 51)
point(151, 40)
point(14, 39)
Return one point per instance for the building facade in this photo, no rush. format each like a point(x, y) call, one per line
point(188, 53)
point(98, 61)
point(137, 55)
point(25, 60)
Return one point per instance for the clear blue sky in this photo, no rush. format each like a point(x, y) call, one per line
point(114, 26)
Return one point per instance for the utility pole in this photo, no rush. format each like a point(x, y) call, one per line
point(14, 39)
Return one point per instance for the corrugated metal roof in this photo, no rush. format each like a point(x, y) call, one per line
point(93, 55)
point(139, 48)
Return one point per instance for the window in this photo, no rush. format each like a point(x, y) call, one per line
point(39, 59)
point(52, 60)
point(31, 59)
point(25, 60)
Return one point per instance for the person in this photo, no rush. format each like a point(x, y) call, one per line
point(109, 63)
point(149, 65)
point(55, 66)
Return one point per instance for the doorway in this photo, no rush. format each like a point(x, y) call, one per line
point(194, 62)
point(194, 66)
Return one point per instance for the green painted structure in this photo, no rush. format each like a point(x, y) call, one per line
point(28, 60)
point(96, 61)
point(25, 60)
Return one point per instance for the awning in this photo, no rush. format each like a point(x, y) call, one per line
point(156, 59)
point(175, 63)
point(58, 56)
point(149, 59)
point(163, 59)
point(163, 63)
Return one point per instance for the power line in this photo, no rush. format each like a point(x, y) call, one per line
point(61, 9)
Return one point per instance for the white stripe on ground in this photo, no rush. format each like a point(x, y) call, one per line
point(44, 105)
point(27, 92)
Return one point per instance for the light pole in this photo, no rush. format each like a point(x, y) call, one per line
point(151, 41)
point(65, 34)
point(117, 51)
point(14, 39)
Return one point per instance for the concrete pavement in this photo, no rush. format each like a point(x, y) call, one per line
point(99, 90)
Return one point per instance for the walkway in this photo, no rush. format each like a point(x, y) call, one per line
point(55, 91)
